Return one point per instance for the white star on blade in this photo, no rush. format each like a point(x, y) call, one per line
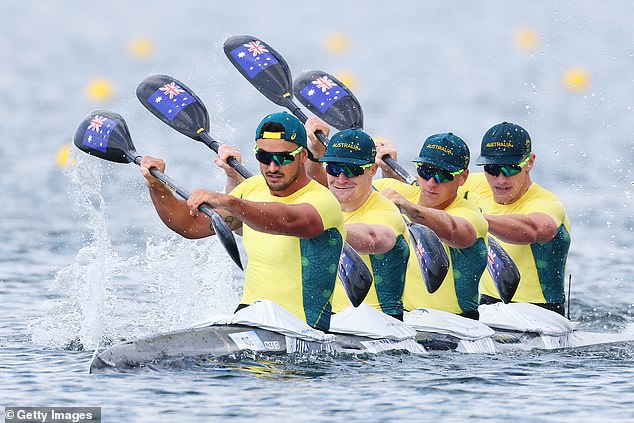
point(241, 54)
point(158, 99)
point(311, 92)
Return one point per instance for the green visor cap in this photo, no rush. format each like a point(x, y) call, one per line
point(294, 130)
point(504, 144)
point(351, 146)
point(445, 151)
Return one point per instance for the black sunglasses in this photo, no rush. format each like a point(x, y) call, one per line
point(280, 158)
point(440, 175)
point(350, 170)
point(506, 170)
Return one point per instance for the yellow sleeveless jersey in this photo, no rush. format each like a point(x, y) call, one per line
point(458, 292)
point(388, 270)
point(296, 273)
point(541, 265)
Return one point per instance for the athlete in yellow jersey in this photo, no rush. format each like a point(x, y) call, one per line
point(529, 221)
point(292, 226)
point(374, 225)
point(442, 166)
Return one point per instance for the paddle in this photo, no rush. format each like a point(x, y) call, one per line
point(105, 134)
point(330, 100)
point(192, 119)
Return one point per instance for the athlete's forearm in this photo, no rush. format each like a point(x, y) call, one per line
point(370, 239)
point(454, 231)
point(175, 214)
point(521, 228)
point(300, 220)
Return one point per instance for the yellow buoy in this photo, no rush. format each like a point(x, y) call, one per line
point(100, 90)
point(526, 38)
point(337, 43)
point(63, 157)
point(347, 78)
point(140, 48)
point(576, 79)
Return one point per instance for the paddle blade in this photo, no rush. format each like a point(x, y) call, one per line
point(503, 270)
point(354, 275)
point(431, 255)
point(175, 104)
point(226, 238)
point(261, 65)
point(329, 99)
point(105, 134)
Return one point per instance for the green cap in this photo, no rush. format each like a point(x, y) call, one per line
point(505, 143)
point(350, 146)
point(294, 130)
point(445, 151)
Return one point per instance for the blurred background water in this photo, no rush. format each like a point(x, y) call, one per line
point(85, 261)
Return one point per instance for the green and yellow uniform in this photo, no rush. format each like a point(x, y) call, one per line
point(541, 265)
point(388, 269)
point(296, 273)
point(458, 292)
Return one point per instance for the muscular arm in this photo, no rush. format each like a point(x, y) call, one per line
point(176, 215)
point(173, 212)
point(454, 231)
point(370, 239)
point(522, 228)
point(300, 220)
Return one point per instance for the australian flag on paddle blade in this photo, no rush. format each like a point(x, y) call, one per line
point(253, 57)
point(170, 99)
point(323, 93)
point(494, 265)
point(98, 132)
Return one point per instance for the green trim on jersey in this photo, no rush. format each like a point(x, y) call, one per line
point(468, 266)
point(320, 256)
point(389, 271)
point(550, 260)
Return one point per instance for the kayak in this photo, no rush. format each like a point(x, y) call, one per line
point(266, 328)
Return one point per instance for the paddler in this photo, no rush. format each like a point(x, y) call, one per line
point(293, 230)
point(529, 221)
point(441, 167)
point(374, 225)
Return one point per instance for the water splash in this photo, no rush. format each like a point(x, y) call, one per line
point(101, 298)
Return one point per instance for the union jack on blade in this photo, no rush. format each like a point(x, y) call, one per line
point(256, 48)
point(96, 123)
point(324, 83)
point(171, 89)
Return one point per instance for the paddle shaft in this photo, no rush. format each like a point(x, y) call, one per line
point(400, 171)
point(180, 191)
point(294, 108)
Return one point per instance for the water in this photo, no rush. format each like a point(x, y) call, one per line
point(84, 260)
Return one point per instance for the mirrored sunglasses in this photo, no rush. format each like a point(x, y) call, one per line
point(506, 170)
point(349, 170)
point(280, 158)
point(440, 175)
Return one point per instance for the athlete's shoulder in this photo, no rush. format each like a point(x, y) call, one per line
point(255, 183)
